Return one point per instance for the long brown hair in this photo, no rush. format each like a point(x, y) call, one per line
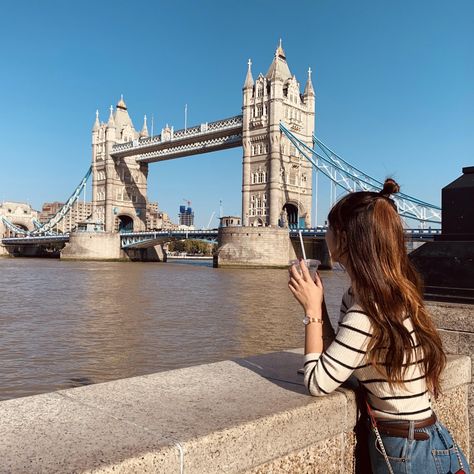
point(369, 232)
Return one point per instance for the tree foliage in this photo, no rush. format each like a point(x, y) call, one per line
point(192, 247)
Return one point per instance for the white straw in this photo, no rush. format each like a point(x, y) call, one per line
point(302, 245)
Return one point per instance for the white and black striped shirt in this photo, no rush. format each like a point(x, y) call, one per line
point(347, 355)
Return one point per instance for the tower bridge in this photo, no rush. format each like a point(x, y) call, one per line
point(276, 179)
point(279, 154)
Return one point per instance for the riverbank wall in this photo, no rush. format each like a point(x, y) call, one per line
point(249, 415)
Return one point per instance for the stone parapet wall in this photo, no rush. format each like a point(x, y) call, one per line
point(244, 416)
point(456, 326)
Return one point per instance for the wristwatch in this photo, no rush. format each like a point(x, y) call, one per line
point(308, 320)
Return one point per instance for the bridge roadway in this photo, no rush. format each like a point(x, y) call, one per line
point(146, 239)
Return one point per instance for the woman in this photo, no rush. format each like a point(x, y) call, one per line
point(385, 337)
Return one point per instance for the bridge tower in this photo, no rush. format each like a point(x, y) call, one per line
point(119, 185)
point(276, 181)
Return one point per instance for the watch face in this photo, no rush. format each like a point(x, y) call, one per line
point(306, 320)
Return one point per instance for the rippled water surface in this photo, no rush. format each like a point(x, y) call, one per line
point(65, 324)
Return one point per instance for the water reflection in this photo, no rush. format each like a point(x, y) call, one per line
point(66, 324)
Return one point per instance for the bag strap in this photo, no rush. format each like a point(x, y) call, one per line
point(375, 429)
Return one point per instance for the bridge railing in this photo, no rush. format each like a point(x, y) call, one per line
point(147, 239)
point(32, 240)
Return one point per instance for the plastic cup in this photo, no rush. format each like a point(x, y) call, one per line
point(311, 263)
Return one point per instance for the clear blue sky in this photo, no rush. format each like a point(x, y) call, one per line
point(394, 84)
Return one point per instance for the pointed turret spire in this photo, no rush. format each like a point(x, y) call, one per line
point(111, 122)
point(96, 123)
point(308, 90)
point(279, 68)
point(249, 79)
point(144, 132)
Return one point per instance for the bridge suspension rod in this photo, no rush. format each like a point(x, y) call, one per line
point(340, 162)
point(350, 178)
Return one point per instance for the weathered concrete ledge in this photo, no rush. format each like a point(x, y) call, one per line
point(243, 416)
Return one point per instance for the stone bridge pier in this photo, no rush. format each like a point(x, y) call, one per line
point(266, 247)
point(107, 246)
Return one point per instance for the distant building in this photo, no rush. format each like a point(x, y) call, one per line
point(186, 216)
point(79, 212)
point(156, 219)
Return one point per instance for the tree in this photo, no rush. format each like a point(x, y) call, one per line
point(192, 247)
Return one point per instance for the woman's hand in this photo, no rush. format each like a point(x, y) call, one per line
point(307, 292)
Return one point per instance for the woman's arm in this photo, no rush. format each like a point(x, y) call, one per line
point(328, 331)
point(309, 294)
point(325, 372)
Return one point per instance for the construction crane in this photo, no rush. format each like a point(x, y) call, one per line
point(210, 220)
point(187, 201)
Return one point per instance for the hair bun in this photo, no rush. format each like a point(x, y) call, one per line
point(390, 187)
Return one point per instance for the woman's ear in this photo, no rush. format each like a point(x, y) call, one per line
point(342, 242)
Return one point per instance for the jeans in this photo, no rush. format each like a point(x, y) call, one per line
point(436, 455)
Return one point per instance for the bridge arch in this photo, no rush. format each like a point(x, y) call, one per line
point(124, 223)
point(6, 232)
point(22, 225)
point(294, 215)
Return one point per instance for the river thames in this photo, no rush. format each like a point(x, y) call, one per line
point(66, 324)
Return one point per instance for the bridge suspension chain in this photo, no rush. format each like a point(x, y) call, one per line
point(351, 179)
point(47, 227)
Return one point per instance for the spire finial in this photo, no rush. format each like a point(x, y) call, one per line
point(279, 51)
point(111, 122)
point(308, 90)
point(121, 96)
point(144, 132)
point(96, 123)
point(248, 78)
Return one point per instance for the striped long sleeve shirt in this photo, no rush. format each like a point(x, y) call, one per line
point(347, 355)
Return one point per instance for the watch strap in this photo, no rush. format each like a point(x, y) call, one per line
point(308, 320)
